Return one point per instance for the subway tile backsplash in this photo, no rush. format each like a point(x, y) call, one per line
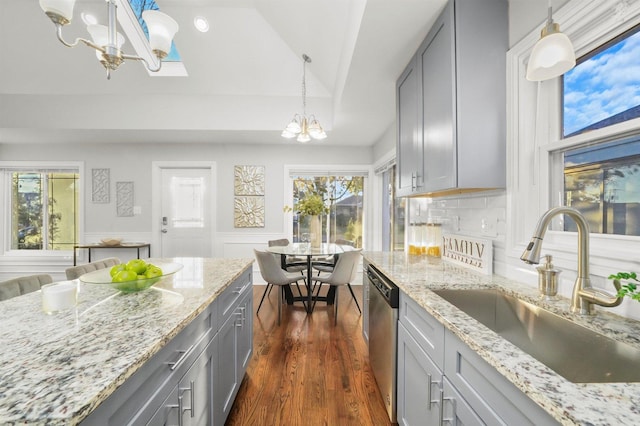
point(480, 214)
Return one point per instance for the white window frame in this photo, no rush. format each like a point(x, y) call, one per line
point(333, 169)
point(5, 218)
point(533, 133)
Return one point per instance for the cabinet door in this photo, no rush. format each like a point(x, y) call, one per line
point(418, 383)
point(195, 390)
point(244, 324)
point(438, 92)
point(409, 145)
point(227, 367)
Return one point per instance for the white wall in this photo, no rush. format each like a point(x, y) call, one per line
point(133, 162)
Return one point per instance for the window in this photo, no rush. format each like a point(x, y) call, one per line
point(603, 183)
point(43, 212)
point(604, 87)
point(343, 196)
point(601, 179)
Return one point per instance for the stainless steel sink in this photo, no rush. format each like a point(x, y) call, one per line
point(578, 354)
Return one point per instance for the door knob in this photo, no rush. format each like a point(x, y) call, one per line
point(164, 231)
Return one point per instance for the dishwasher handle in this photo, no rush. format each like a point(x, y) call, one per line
point(386, 288)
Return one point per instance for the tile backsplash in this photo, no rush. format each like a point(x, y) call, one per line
point(481, 214)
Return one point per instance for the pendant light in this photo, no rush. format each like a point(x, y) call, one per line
point(553, 55)
point(301, 127)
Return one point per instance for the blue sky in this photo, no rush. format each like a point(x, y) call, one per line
point(604, 85)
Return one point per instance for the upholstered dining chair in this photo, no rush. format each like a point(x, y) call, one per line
point(77, 271)
point(23, 285)
point(274, 275)
point(326, 265)
point(343, 273)
point(291, 264)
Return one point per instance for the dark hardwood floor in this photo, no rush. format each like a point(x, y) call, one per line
point(308, 371)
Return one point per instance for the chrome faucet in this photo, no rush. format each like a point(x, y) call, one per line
point(584, 296)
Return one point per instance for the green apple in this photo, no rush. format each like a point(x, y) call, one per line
point(123, 276)
point(153, 271)
point(117, 268)
point(137, 265)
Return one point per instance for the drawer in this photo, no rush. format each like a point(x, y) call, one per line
point(428, 332)
point(494, 398)
point(230, 298)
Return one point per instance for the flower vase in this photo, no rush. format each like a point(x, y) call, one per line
point(315, 231)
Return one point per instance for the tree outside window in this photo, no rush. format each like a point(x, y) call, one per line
point(44, 210)
point(343, 197)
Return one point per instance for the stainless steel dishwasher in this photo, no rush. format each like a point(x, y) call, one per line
point(383, 331)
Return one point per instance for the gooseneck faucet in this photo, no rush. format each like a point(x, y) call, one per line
point(584, 296)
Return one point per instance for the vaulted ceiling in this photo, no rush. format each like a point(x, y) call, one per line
point(244, 75)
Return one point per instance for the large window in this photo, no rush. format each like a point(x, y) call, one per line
point(43, 209)
point(343, 197)
point(602, 179)
point(393, 213)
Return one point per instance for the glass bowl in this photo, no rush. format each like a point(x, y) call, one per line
point(103, 276)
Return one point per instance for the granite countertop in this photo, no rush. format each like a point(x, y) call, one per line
point(56, 369)
point(569, 403)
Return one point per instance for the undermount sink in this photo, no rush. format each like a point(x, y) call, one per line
point(578, 354)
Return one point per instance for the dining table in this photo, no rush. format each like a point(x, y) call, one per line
point(307, 251)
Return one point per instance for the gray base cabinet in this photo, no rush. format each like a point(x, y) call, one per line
point(441, 380)
point(194, 378)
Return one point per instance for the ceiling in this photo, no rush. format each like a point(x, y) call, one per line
point(244, 75)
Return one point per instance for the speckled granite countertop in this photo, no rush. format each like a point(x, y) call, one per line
point(56, 369)
point(569, 403)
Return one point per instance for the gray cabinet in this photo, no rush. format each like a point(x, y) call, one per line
point(459, 78)
point(441, 379)
point(409, 146)
point(235, 344)
point(189, 403)
point(418, 380)
point(184, 382)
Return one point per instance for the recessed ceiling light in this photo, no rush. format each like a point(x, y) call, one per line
point(88, 18)
point(201, 24)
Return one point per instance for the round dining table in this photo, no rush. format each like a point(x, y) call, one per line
point(307, 251)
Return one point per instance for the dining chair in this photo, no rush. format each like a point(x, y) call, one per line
point(291, 263)
point(23, 285)
point(274, 275)
point(343, 273)
point(327, 265)
point(77, 271)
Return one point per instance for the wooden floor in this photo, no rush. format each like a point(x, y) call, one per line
point(308, 371)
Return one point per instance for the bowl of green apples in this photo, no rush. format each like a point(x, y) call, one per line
point(135, 275)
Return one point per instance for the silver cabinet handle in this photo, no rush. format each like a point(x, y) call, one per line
point(450, 420)
point(191, 408)
point(430, 384)
point(164, 231)
point(176, 364)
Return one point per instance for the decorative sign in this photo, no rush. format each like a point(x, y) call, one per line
point(472, 253)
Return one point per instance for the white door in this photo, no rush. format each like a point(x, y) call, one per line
point(186, 216)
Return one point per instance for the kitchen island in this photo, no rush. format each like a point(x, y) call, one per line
point(566, 402)
point(91, 360)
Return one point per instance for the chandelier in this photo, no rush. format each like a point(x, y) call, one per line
point(107, 41)
point(302, 126)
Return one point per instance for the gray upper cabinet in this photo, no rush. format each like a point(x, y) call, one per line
point(460, 78)
point(409, 152)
